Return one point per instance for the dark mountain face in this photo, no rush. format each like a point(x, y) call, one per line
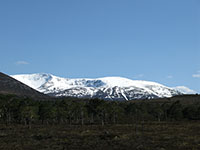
point(9, 85)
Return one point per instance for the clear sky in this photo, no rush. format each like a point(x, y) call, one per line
point(155, 40)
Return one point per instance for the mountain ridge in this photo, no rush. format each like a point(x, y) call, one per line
point(108, 88)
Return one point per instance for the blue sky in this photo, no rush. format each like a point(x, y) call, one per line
point(156, 40)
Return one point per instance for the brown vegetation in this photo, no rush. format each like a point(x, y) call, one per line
point(143, 136)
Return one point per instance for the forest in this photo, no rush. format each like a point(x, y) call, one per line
point(73, 111)
point(93, 121)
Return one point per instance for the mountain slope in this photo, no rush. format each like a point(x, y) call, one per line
point(109, 88)
point(185, 90)
point(9, 85)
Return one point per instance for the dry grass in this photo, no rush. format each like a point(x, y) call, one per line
point(146, 136)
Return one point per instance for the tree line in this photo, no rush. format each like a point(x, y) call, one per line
point(72, 111)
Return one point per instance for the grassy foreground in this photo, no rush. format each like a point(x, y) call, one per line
point(143, 136)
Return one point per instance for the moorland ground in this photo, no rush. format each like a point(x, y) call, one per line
point(141, 136)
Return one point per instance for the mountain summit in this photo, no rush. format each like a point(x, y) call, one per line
point(108, 88)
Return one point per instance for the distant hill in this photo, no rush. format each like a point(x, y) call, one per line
point(186, 99)
point(9, 85)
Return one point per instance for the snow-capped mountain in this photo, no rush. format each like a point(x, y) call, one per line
point(185, 90)
point(109, 88)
